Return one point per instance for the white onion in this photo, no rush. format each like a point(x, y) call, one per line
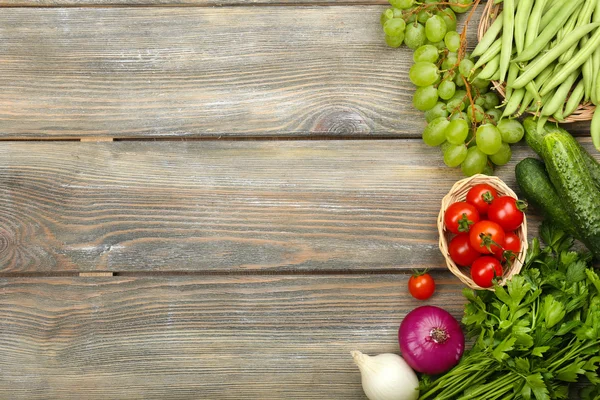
point(386, 377)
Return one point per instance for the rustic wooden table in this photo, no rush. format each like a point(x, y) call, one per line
point(208, 199)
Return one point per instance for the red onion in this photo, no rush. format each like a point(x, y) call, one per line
point(431, 340)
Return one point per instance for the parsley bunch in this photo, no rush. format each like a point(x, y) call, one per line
point(534, 337)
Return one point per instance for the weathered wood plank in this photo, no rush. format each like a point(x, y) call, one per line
point(223, 206)
point(197, 3)
point(262, 337)
point(209, 72)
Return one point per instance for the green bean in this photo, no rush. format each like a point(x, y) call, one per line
point(576, 62)
point(587, 73)
point(564, 31)
point(490, 53)
point(534, 22)
point(513, 72)
point(508, 26)
point(574, 99)
point(490, 68)
point(513, 102)
point(536, 67)
point(557, 101)
point(521, 17)
point(583, 17)
point(595, 129)
point(558, 115)
point(527, 99)
point(596, 60)
point(549, 31)
point(596, 88)
point(489, 37)
point(558, 9)
point(531, 88)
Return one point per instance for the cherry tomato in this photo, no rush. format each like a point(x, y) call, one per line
point(481, 196)
point(487, 237)
point(512, 244)
point(460, 216)
point(484, 270)
point(507, 212)
point(421, 286)
point(461, 251)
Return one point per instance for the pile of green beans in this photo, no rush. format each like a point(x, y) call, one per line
point(547, 53)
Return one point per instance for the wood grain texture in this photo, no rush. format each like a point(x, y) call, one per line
point(203, 72)
point(262, 337)
point(223, 206)
point(171, 3)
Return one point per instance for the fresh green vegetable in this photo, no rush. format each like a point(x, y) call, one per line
point(534, 137)
point(508, 26)
point(575, 186)
point(534, 182)
point(534, 338)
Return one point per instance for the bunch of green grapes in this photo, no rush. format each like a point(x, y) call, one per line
point(454, 93)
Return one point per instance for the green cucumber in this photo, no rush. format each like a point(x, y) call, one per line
point(534, 182)
point(535, 137)
point(575, 186)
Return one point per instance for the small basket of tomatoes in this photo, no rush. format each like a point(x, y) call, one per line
point(483, 231)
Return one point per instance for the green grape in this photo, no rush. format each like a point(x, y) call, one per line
point(449, 18)
point(475, 162)
point(511, 130)
point(455, 154)
point(446, 89)
point(397, 13)
point(427, 53)
point(456, 105)
point(434, 133)
point(480, 101)
point(457, 131)
point(488, 170)
point(402, 4)
point(494, 114)
point(491, 100)
point(439, 110)
point(394, 41)
point(385, 17)
point(481, 84)
point(423, 73)
point(435, 28)
point(415, 36)
point(450, 61)
point(452, 41)
point(411, 18)
point(459, 81)
point(460, 94)
point(460, 115)
point(450, 75)
point(502, 156)
point(394, 27)
point(460, 6)
point(475, 113)
point(438, 45)
point(425, 98)
point(489, 139)
point(465, 67)
point(423, 16)
point(444, 146)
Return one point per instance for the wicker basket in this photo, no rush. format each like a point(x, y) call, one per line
point(459, 193)
point(584, 112)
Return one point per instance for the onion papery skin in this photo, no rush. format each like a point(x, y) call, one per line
point(431, 340)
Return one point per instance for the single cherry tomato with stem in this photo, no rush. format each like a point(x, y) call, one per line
point(484, 270)
point(507, 212)
point(487, 237)
point(421, 285)
point(461, 251)
point(481, 195)
point(460, 216)
point(512, 247)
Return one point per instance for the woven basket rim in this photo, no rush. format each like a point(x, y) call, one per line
point(458, 193)
point(584, 112)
